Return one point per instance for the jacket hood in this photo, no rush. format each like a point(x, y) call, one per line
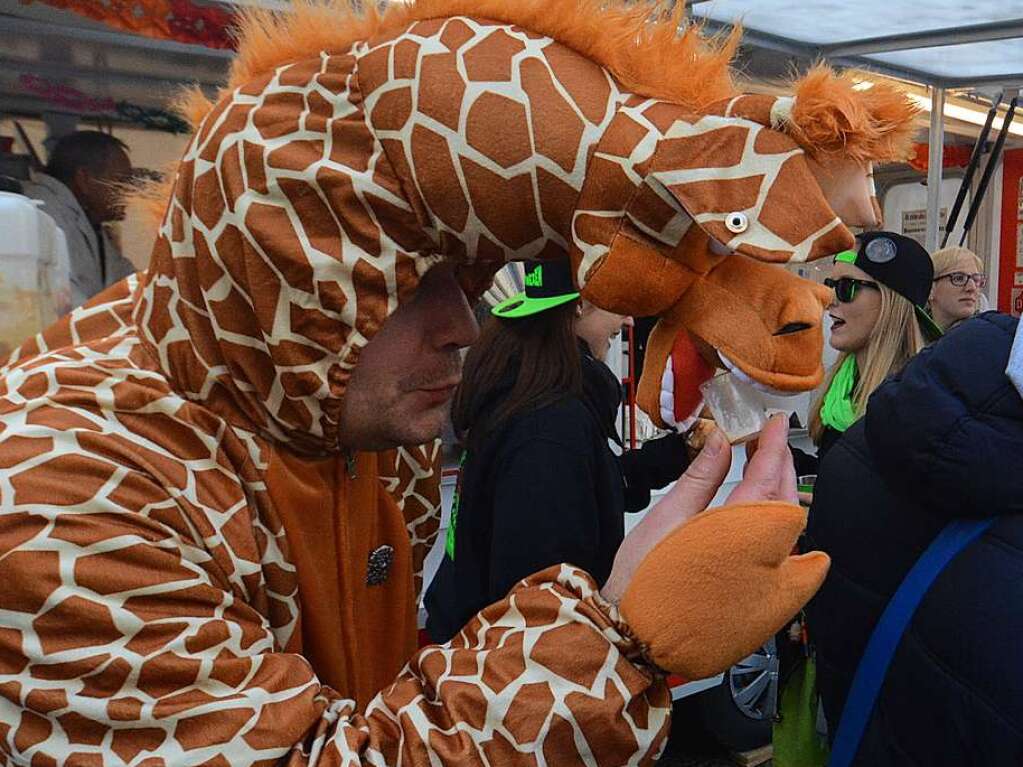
point(287, 242)
point(948, 430)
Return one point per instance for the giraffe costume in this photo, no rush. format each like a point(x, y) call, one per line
point(191, 567)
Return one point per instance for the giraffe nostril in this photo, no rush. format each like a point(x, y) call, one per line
point(793, 327)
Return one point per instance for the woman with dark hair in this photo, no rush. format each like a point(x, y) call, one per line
point(539, 483)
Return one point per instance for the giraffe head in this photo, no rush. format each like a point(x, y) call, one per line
point(680, 211)
point(349, 154)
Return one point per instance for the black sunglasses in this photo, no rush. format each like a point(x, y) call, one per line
point(846, 288)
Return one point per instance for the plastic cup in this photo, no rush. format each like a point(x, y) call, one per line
point(805, 483)
point(736, 408)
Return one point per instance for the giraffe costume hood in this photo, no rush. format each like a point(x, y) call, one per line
point(196, 575)
point(326, 180)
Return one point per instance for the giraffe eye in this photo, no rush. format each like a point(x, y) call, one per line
point(736, 222)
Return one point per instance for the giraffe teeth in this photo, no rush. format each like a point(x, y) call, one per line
point(745, 378)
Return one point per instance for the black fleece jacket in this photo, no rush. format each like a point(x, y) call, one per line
point(542, 489)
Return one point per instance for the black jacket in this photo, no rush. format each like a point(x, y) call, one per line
point(545, 488)
point(809, 463)
point(944, 439)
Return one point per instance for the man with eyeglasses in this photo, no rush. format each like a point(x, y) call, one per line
point(958, 284)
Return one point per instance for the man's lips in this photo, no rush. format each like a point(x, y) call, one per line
point(437, 393)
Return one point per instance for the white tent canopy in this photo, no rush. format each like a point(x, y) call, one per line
point(946, 43)
point(943, 43)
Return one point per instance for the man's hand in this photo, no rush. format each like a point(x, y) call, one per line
point(769, 476)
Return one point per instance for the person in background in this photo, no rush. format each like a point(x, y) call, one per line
point(877, 325)
point(539, 482)
point(959, 281)
point(81, 191)
point(941, 440)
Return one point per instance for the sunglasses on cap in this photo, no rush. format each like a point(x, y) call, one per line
point(847, 288)
point(959, 279)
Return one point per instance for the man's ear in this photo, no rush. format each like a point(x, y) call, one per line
point(80, 181)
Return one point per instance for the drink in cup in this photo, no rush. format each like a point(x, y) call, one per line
point(736, 408)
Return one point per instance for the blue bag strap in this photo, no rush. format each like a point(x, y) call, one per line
point(873, 668)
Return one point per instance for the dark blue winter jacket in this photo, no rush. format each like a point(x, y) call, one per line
point(944, 439)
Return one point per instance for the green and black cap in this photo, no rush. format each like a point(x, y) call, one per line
point(548, 284)
point(900, 263)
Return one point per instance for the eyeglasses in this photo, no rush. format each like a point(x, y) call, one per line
point(959, 279)
point(846, 288)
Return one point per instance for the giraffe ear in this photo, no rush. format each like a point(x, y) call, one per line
point(749, 187)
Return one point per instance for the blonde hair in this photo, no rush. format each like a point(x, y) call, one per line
point(946, 258)
point(895, 339)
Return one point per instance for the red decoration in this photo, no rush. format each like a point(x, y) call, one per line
point(179, 20)
point(71, 98)
point(952, 156)
point(65, 95)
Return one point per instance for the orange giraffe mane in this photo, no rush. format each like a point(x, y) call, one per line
point(651, 54)
point(647, 54)
point(832, 118)
point(656, 56)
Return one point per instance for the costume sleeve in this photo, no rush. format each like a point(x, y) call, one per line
point(637, 490)
point(656, 464)
point(544, 511)
point(130, 637)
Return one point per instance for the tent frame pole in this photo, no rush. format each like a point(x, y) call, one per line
point(935, 160)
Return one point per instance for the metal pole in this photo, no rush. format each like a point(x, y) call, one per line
point(989, 169)
point(971, 168)
point(935, 157)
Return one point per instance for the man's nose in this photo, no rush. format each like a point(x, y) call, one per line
point(458, 327)
point(465, 329)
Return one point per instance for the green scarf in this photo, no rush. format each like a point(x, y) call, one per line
point(838, 410)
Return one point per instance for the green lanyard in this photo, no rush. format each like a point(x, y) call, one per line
point(838, 410)
point(449, 540)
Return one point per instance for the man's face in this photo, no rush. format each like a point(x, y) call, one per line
point(99, 192)
point(401, 388)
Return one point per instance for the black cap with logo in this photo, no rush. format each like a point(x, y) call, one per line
point(548, 284)
point(900, 263)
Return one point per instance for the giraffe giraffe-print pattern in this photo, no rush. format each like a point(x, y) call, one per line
point(426, 150)
point(182, 663)
point(657, 170)
point(154, 612)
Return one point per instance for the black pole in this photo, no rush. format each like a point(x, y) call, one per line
point(989, 169)
point(971, 167)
